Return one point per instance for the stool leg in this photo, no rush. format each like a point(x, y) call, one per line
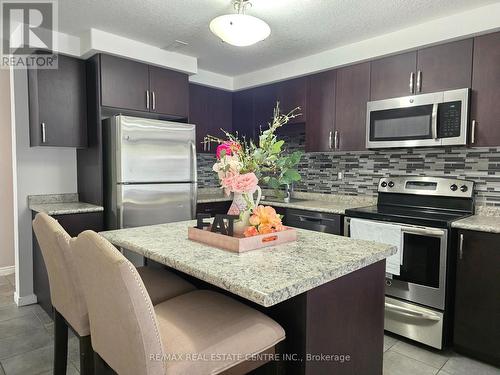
point(101, 367)
point(86, 356)
point(60, 344)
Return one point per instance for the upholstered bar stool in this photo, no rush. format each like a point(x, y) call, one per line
point(197, 333)
point(67, 297)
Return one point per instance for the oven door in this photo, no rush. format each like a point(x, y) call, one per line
point(422, 277)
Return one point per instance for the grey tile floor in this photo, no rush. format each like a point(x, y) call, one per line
point(26, 346)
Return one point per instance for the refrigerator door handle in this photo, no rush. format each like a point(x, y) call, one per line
point(194, 180)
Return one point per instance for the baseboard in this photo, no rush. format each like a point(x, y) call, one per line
point(25, 300)
point(4, 271)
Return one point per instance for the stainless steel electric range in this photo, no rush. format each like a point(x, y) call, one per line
point(416, 214)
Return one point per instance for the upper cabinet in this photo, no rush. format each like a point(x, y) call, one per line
point(264, 101)
point(135, 86)
point(243, 121)
point(485, 111)
point(321, 103)
point(210, 110)
point(169, 92)
point(393, 76)
point(439, 68)
point(444, 67)
point(58, 104)
point(292, 94)
point(353, 92)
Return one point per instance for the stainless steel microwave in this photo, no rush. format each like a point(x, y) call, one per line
point(435, 119)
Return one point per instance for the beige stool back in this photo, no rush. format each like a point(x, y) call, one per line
point(65, 290)
point(123, 323)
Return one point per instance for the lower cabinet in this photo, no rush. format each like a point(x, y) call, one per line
point(74, 224)
point(477, 301)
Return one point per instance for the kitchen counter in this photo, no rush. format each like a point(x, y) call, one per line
point(330, 203)
point(326, 291)
point(267, 276)
point(487, 219)
point(60, 204)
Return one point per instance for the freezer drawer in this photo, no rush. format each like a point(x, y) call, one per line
point(140, 205)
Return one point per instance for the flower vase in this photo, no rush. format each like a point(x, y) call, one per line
point(242, 205)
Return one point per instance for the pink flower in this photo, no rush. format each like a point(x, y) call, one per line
point(245, 183)
point(229, 147)
point(228, 182)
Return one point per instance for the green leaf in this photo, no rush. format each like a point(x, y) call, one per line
point(276, 147)
point(292, 175)
point(273, 183)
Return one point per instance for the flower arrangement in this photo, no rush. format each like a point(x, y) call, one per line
point(241, 164)
point(264, 220)
point(267, 161)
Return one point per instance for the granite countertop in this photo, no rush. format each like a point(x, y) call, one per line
point(330, 203)
point(267, 276)
point(60, 204)
point(487, 219)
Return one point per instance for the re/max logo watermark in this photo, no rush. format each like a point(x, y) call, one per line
point(29, 34)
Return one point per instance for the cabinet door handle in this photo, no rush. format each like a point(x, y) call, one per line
point(461, 247)
point(44, 133)
point(473, 132)
point(330, 140)
point(419, 81)
point(336, 140)
point(412, 82)
point(147, 99)
point(154, 100)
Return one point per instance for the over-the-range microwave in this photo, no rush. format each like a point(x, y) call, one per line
point(435, 119)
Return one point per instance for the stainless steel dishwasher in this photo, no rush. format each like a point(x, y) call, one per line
point(316, 221)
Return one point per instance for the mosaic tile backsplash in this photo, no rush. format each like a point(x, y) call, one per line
point(362, 170)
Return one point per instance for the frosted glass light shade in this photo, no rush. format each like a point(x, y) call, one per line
point(240, 30)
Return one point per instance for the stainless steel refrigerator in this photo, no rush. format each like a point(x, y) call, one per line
point(149, 171)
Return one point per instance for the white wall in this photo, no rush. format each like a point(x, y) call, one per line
point(6, 179)
point(39, 170)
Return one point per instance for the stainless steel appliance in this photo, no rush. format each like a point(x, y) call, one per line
point(150, 172)
point(316, 221)
point(435, 119)
point(417, 302)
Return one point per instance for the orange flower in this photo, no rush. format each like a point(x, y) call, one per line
point(250, 232)
point(266, 229)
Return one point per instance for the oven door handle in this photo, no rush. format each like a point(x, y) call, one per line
point(410, 312)
point(434, 121)
point(423, 231)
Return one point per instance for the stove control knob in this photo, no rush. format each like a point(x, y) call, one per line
point(464, 188)
point(453, 187)
point(383, 184)
point(391, 184)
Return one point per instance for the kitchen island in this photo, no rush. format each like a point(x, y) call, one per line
point(326, 291)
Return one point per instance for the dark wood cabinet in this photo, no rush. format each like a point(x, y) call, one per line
point(124, 83)
point(485, 111)
point(390, 76)
point(352, 94)
point(169, 91)
point(264, 101)
point(321, 117)
point(210, 110)
point(292, 94)
point(58, 104)
point(74, 224)
point(243, 121)
point(444, 67)
point(131, 85)
point(477, 301)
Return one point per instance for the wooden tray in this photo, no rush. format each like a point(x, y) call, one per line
point(241, 244)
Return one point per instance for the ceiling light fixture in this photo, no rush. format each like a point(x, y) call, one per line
point(240, 29)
